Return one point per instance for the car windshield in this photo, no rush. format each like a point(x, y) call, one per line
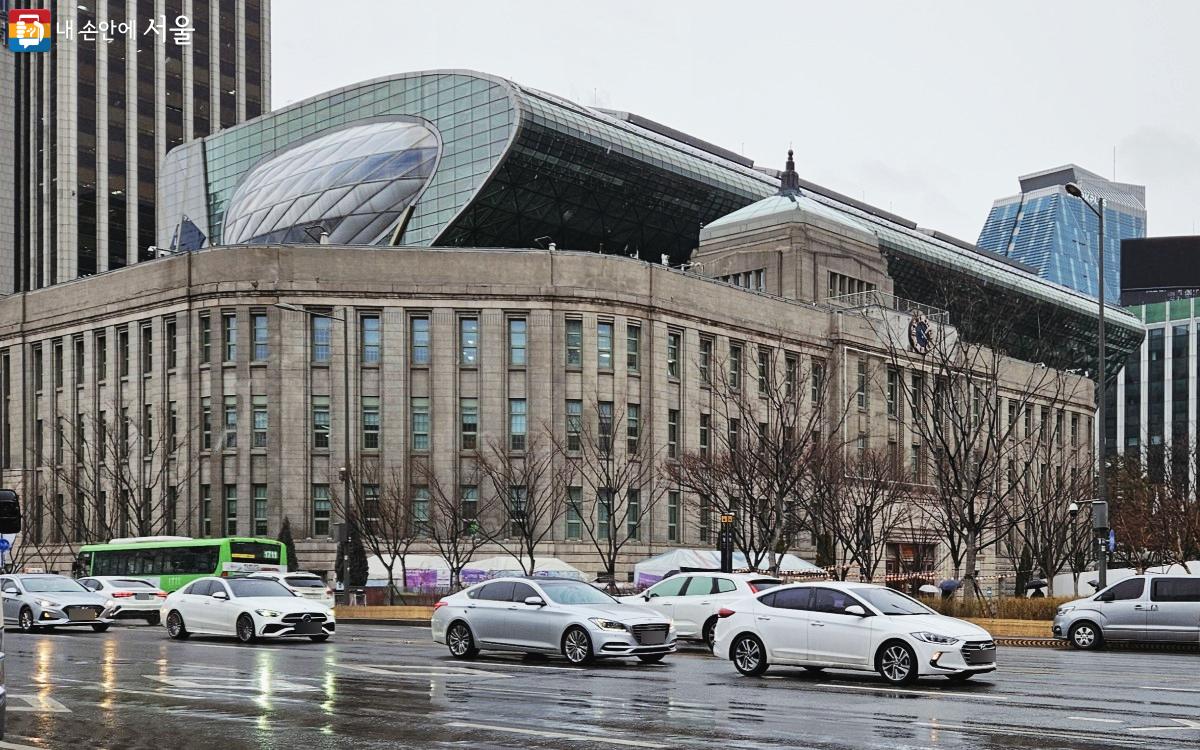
point(892, 602)
point(131, 583)
point(304, 582)
point(574, 592)
point(52, 585)
point(247, 587)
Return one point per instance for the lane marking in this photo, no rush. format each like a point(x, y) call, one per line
point(37, 703)
point(1171, 689)
point(902, 691)
point(556, 735)
point(253, 684)
point(1093, 718)
point(16, 746)
point(421, 671)
point(1183, 724)
point(1012, 731)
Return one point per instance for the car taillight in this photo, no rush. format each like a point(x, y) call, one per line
point(122, 594)
point(161, 594)
point(328, 592)
point(439, 604)
point(724, 612)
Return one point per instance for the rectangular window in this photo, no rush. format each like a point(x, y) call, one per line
point(322, 338)
point(518, 498)
point(468, 409)
point(893, 386)
point(860, 389)
point(206, 528)
point(705, 429)
point(122, 354)
point(817, 384)
point(172, 426)
point(229, 328)
point(372, 339)
point(231, 510)
point(420, 341)
point(672, 433)
point(633, 514)
point(322, 509)
point(764, 371)
point(735, 431)
point(1058, 428)
point(258, 418)
point(58, 364)
point(258, 325)
point(468, 340)
point(735, 366)
point(420, 423)
point(1074, 430)
point(633, 347)
point(101, 357)
point(632, 427)
point(205, 339)
point(518, 331)
point(791, 366)
point(574, 424)
point(706, 351)
point(370, 423)
point(673, 516)
point(58, 441)
point(206, 423)
point(171, 512)
point(147, 350)
point(260, 510)
point(469, 494)
point(918, 393)
point(574, 342)
point(673, 344)
point(604, 345)
point(574, 516)
point(147, 430)
point(171, 344)
point(231, 421)
point(916, 465)
point(420, 510)
point(705, 520)
point(320, 422)
point(38, 444)
point(516, 424)
point(604, 415)
point(370, 497)
point(604, 519)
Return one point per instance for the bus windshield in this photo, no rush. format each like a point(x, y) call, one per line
point(254, 552)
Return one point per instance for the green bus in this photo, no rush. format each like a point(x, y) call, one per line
point(171, 562)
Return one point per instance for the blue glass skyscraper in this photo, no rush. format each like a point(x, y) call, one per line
point(1055, 234)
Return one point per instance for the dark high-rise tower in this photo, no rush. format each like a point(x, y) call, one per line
point(124, 82)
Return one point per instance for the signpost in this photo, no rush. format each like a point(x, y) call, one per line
point(1105, 539)
point(725, 543)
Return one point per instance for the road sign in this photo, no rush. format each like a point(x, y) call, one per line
point(5, 545)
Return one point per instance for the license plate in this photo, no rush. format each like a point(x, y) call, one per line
point(308, 628)
point(143, 597)
point(84, 615)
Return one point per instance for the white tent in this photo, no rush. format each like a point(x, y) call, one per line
point(492, 567)
point(654, 569)
point(421, 571)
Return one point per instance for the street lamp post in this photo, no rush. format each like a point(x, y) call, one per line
point(1102, 350)
point(346, 427)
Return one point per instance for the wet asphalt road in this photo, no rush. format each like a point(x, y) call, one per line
point(390, 687)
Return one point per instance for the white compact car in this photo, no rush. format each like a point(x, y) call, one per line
point(304, 585)
point(692, 600)
point(248, 608)
point(128, 598)
point(859, 626)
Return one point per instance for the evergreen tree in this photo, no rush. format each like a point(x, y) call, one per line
point(358, 558)
point(285, 538)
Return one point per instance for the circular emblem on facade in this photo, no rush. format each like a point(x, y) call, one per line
point(920, 334)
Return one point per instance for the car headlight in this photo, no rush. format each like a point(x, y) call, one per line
point(603, 624)
point(267, 613)
point(47, 604)
point(110, 603)
point(1065, 608)
point(671, 625)
point(941, 640)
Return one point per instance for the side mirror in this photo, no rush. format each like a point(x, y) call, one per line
point(855, 609)
point(220, 595)
point(647, 596)
point(535, 601)
point(1107, 596)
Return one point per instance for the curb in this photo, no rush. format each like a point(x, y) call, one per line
point(372, 621)
point(1029, 642)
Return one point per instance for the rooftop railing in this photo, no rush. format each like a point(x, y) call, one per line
point(885, 301)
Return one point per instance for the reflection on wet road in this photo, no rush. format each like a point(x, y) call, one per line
point(387, 687)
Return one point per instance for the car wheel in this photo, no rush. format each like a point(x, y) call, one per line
point(153, 619)
point(175, 627)
point(651, 658)
point(749, 656)
point(245, 629)
point(710, 633)
point(25, 621)
point(577, 646)
point(100, 627)
point(461, 642)
point(1085, 635)
point(960, 676)
point(897, 663)
point(319, 638)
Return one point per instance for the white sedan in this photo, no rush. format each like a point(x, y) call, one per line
point(692, 600)
point(858, 626)
point(128, 598)
point(304, 585)
point(248, 608)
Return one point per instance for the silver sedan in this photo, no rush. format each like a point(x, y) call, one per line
point(549, 616)
point(46, 601)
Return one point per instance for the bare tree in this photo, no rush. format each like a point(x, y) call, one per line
point(381, 505)
point(864, 509)
point(455, 525)
point(619, 472)
point(529, 481)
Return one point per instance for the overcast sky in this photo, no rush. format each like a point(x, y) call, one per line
point(927, 109)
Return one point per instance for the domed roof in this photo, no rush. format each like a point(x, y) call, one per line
point(789, 205)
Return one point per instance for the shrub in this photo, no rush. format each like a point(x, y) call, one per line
point(1005, 607)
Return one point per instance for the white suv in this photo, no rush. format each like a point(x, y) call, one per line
point(693, 600)
point(304, 585)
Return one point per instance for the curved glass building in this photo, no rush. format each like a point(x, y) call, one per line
point(452, 158)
